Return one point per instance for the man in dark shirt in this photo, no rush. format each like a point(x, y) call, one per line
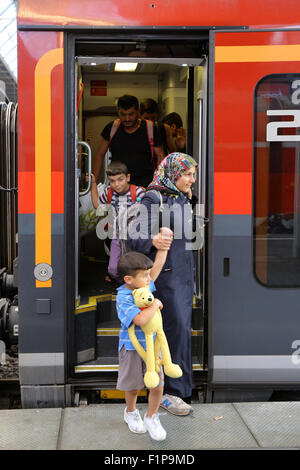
point(173, 135)
point(173, 124)
point(130, 144)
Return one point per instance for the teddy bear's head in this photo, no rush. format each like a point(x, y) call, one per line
point(143, 297)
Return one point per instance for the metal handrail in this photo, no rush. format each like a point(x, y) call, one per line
point(89, 157)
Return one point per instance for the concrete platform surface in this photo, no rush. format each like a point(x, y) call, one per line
point(270, 425)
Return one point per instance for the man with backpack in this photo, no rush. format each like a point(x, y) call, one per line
point(131, 140)
point(116, 200)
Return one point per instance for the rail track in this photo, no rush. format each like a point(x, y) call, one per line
point(10, 396)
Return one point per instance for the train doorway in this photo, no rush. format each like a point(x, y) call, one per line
point(176, 78)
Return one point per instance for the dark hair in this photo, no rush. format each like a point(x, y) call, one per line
point(148, 106)
point(127, 101)
point(173, 118)
point(117, 168)
point(132, 262)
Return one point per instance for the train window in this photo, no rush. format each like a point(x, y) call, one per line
point(276, 224)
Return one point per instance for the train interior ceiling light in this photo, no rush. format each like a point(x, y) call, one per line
point(126, 66)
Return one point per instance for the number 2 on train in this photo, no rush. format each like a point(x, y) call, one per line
point(272, 127)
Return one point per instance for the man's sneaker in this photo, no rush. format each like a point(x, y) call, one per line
point(134, 421)
point(175, 405)
point(154, 428)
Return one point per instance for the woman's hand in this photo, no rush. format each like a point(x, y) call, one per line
point(163, 240)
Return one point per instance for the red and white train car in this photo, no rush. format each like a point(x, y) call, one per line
point(232, 70)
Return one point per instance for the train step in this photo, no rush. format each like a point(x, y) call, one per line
point(111, 364)
point(105, 307)
point(108, 340)
point(101, 364)
point(97, 335)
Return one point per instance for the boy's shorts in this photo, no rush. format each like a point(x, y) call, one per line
point(132, 369)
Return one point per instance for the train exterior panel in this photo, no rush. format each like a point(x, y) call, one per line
point(251, 288)
point(254, 320)
point(41, 207)
point(160, 13)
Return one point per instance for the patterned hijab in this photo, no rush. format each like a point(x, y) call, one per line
point(169, 171)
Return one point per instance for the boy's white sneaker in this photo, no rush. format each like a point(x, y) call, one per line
point(154, 428)
point(134, 421)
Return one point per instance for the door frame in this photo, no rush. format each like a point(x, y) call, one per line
point(70, 41)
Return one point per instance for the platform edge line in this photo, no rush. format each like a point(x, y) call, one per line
point(60, 431)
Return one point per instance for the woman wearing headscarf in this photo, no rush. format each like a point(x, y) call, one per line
point(170, 192)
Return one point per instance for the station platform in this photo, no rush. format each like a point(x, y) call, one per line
point(268, 425)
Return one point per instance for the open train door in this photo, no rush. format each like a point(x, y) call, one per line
point(254, 241)
point(94, 328)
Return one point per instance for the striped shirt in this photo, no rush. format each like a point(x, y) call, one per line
point(120, 203)
point(127, 310)
point(119, 200)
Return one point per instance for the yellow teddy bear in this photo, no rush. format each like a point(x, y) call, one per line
point(143, 298)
